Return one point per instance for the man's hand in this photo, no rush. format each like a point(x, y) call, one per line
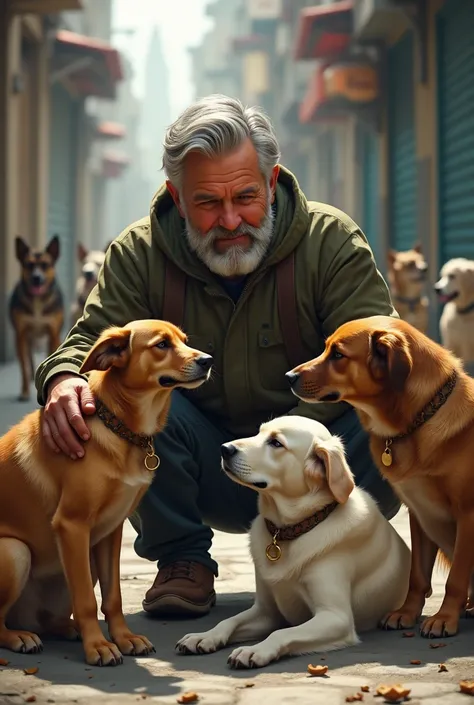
point(69, 398)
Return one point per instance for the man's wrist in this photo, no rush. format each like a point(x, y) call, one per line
point(57, 379)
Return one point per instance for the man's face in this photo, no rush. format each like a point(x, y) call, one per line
point(226, 202)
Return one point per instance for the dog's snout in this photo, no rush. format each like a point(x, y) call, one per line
point(437, 286)
point(228, 450)
point(292, 378)
point(36, 279)
point(205, 361)
point(88, 275)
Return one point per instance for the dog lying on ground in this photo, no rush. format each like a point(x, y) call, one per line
point(455, 289)
point(327, 563)
point(406, 277)
point(36, 306)
point(61, 521)
point(91, 262)
point(417, 404)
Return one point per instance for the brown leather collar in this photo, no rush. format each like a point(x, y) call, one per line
point(119, 428)
point(427, 413)
point(288, 533)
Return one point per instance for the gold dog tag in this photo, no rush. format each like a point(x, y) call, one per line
point(273, 550)
point(152, 460)
point(387, 457)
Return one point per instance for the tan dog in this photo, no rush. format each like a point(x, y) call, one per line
point(61, 521)
point(91, 262)
point(455, 289)
point(327, 563)
point(406, 276)
point(417, 404)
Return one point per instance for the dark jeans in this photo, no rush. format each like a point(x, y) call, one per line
point(190, 493)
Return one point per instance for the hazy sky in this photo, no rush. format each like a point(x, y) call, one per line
point(182, 23)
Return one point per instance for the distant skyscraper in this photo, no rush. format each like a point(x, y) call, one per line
point(156, 112)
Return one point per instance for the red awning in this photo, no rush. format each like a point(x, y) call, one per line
point(112, 130)
point(324, 31)
point(113, 164)
point(93, 66)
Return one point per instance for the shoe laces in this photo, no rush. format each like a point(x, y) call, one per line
point(180, 569)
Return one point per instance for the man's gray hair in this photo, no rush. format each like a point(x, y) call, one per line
point(216, 125)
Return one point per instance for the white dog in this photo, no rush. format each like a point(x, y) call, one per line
point(455, 289)
point(327, 563)
point(91, 262)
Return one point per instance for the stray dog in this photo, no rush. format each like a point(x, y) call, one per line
point(327, 563)
point(455, 289)
point(91, 262)
point(406, 276)
point(417, 403)
point(36, 306)
point(61, 521)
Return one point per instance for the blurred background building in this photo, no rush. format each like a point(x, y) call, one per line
point(373, 102)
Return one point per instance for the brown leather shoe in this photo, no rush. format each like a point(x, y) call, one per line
point(181, 588)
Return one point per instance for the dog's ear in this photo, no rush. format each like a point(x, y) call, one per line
point(418, 248)
point(21, 249)
point(111, 350)
point(391, 257)
point(82, 252)
point(53, 248)
point(338, 474)
point(390, 358)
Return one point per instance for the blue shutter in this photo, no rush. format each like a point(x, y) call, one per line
point(402, 145)
point(455, 29)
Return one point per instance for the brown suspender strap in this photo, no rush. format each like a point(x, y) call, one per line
point(175, 292)
point(287, 309)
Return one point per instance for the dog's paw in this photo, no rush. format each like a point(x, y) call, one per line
point(133, 644)
point(202, 643)
point(440, 625)
point(102, 653)
point(401, 619)
point(250, 657)
point(21, 642)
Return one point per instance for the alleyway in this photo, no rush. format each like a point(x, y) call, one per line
point(381, 658)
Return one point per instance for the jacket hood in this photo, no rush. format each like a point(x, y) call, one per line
point(290, 225)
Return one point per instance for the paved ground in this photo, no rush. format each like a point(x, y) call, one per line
point(381, 657)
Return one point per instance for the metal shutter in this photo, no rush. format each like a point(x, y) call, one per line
point(455, 29)
point(368, 158)
point(402, 144)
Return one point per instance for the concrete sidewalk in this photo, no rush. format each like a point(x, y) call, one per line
point(63, 677)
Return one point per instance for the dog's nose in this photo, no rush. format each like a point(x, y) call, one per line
point(205, 361)
point(36, 279)
point(437, 287)
point(292, 377)
point(228, 450)
point(88, 275)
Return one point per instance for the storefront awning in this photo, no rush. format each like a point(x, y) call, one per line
point(110, 130)
point(324, 31)
point(92, 66)
point(114, 164)
point(43, 7)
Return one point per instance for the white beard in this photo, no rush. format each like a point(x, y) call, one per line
point(236, 261)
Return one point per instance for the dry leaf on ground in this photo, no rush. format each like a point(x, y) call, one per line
point(467, 687)
point(188, 698)
point(30, 671)
point(4, 662)
point(317, 670)
point(442, 668)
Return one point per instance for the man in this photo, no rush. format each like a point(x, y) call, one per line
point(226, 217)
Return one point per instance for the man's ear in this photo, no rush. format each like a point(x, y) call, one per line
point(111, 350)
point(174, 193)
point(338, 473)
point(390, 358)
point(273, 181)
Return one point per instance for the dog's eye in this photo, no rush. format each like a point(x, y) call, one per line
point(163, 344)
point(336, 354)
point(275, 443)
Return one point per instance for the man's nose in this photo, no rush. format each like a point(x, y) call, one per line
point(229, 218)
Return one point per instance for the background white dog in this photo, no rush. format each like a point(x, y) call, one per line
point(455, 289)
point(327, 563)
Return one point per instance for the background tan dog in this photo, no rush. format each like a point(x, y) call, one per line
point(331, 581)
point(91, 262)
point(61, 521)
point(417, 404)
point(406, 277)
point(455, 289)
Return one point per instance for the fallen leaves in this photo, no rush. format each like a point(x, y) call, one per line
point(393, 693)
point(467, 687)
point(4, 662)
point(30, 699)
point(365, 688)
point(437, 645)
point(408, 635)
point(188, 698)
point(415, 662)
point(442, 668)
point(354, 698)
point(317, 670)
point(30, 671)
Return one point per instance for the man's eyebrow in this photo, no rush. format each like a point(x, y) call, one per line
point(249, 190)
point(201, 196)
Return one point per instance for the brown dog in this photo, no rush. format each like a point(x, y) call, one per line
point(91, 262)
point(61, 521)
point(36, 306)
point(417, 404)
point(406, 276)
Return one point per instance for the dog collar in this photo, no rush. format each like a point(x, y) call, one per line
point(109, 419)
point(466, 309)
point(288, 533)
point(411, 303)
point(439, 399)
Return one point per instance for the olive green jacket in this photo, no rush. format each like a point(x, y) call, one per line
point(336, 281)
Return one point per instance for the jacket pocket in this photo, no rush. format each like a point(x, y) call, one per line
point(272, 360)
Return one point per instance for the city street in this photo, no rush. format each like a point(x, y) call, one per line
point(63, 677)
